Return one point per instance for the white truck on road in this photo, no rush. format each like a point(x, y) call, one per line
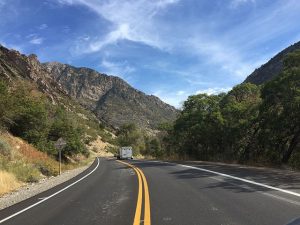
point(125, 153)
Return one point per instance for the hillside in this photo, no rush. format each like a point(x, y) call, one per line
point(272, 68)
point(110, 98)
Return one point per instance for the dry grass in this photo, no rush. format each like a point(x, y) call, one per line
point(20, 163)
point(30, 155)
point(8, 182)
point(25, 162)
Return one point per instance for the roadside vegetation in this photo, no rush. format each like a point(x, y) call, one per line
point(28, 114)
point(30, 125)
point(250, 124)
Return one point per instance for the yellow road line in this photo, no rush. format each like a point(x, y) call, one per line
point(141, 179)
point(137, 216)
point(147, 219)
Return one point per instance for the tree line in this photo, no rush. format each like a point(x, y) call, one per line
point(248, 124)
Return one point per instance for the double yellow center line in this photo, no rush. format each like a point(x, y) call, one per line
point(138, 212)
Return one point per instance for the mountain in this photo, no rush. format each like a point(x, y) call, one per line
point(110, 98)
point(272, 68)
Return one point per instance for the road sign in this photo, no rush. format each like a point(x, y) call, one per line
point(59, 145)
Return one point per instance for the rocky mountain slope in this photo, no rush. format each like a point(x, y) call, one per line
point(110, 98)
point(272, 68)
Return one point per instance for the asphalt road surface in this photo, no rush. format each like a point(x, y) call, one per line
point(153, 192)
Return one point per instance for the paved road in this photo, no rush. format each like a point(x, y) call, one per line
point(196, 194)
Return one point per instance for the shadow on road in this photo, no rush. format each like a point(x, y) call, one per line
point(284, 179)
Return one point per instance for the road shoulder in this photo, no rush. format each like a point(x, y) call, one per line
point(33, 189)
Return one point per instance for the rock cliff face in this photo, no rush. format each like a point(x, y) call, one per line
point(110, 98)
point(15, 66)
point(272, 68)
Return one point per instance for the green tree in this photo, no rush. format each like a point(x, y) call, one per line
point(65, 126)
point(279, 136)
point(197, 130)
point(239, 110)
point(30, 119)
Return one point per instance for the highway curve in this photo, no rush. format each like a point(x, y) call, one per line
point(153, 192)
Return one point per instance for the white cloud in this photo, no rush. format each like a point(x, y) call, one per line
point(122, 69)
point(140, 21)
point(171, 98)
point(135, 20)
point(132, 20)
point(36, 40)
point(122, 32)
point(213, 91)
point(43, 26)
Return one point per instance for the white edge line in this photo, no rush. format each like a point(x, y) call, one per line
point(233, 177)
point(56, 193)
point(244, 180)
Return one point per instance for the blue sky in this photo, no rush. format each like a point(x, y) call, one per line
point(169, 48)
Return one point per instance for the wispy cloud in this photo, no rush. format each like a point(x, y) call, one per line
point(122, 69)
point(173, 98)
point(43, 26)
point(36, 40)
point(138, 21)
point(225, 56)
point(130, 20)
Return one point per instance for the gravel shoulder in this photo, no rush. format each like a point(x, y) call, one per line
point(32, 189)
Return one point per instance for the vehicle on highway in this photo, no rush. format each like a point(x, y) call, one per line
point(125, 153)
